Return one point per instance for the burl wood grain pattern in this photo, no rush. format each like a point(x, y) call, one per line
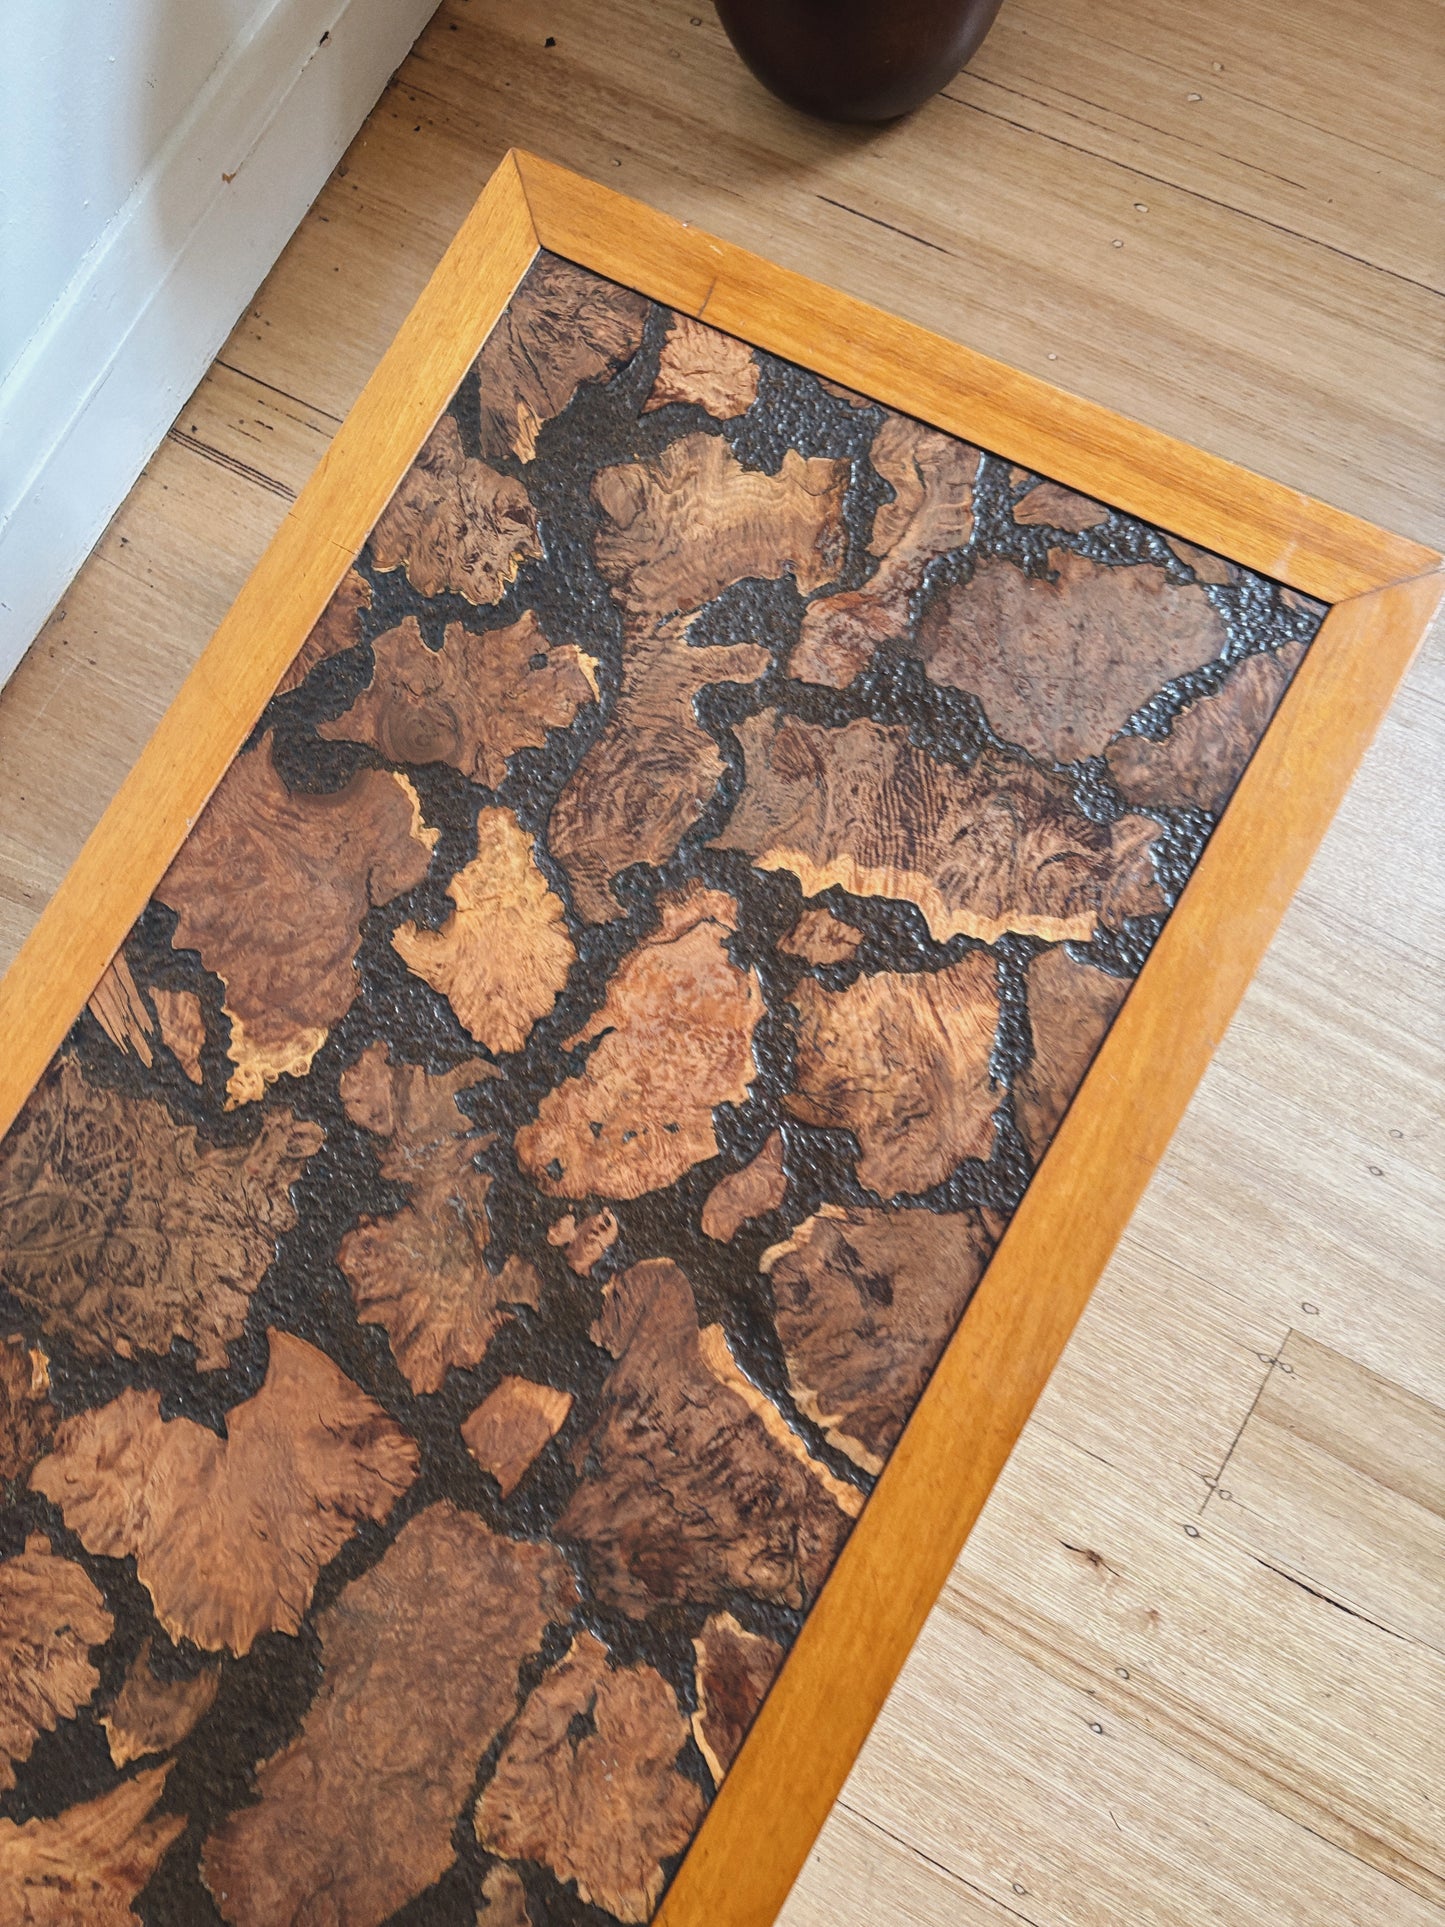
point(465, 1271)
point(735, 1668)
point(153, 1715)
point(602, 1807)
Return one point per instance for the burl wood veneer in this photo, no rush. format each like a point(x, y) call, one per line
point(468, 1266)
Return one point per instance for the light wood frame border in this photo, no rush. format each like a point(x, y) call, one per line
point(1385, 591)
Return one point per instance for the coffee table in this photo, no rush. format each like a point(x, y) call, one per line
point(560, 1123)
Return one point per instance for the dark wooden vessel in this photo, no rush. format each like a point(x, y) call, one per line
point(859, 60)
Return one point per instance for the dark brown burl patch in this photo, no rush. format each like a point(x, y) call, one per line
point(588, 1783)
point(758, 1188)
point(1063, 660)
point(91, 1861)
point(472, 703)
point(674, 534)
point(138, 1021)
point(338, 628)
point(455, 525)
point(504, 1899)
point(904, 1063)
point(693, 1485)
point(1071, 1006)
point(152, 1715)
point(866, 1301)
point(818, 937)
point(931, 512)
point(735, 1668)
point(512, 1425)
point(1001, 847)
point(28, 1417)
point(562, 327)
point(468, 1265)
point(183, 1028)
point(422, 1272)
point(271, 888)
point(123, 1231)
point(50, 1617)
point(420, 1658)
point(1203, 756)
point(584, 1243)
point(1049, 506)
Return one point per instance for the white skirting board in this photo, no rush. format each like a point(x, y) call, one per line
point(96, 388)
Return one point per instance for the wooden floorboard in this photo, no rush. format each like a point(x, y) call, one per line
point(1268, 1683)
point(1337, 1480)
point(1109, 1718)
point(1035, 1793)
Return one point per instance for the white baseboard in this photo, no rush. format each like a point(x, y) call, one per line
point(95, 390)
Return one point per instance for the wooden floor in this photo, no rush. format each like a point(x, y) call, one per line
point(1191, 1667)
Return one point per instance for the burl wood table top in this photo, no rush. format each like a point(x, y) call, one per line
point(470, 1262)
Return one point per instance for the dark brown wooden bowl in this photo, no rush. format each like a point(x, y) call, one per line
point(862, 60)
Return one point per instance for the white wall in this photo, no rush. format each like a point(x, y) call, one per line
point(125, 252)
